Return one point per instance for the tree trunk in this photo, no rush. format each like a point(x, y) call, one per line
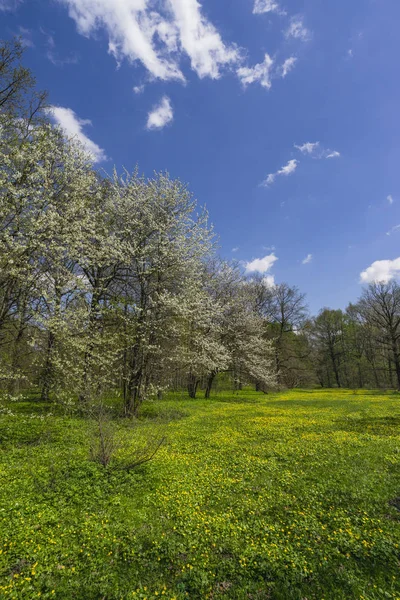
point(16, 358)
point(210, 381)
point(277, 362)
point(328, 376)
point(335, 369)
point(360, 378)
point(48, 373)
point(390, 372)
point(377, 383)
point(135, 395)
point(49, 370)
point(192, 384)
point(94, 318)
point(396, 360)
point(237, 385)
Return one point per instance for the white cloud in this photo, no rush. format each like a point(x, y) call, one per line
point(393, 230)
point(390, 199)
point(297, 30)
point(263, 73)
point(314, 149)
point(269, 281)
point(131, 29)
point(261, 265)
point(9, 4)
point(266, 6)
point(200, 40)
point(287, 66)
point(308, 147)
point(235, 249)
point(157, 34)
point(138, 89)
point(73, 127)
point(381, 271)
point(307, 259)
point(259, 73)
point(288, 169)
point(161, 115)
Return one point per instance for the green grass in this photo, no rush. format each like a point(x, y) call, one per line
point(286, 496)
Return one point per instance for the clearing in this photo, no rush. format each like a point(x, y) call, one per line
point(293, 495)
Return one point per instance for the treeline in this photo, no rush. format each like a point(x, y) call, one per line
point(361, 346)
point(112, 284)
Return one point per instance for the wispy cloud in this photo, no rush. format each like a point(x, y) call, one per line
point(390, 199)
point(60, 62)
point(200, 40)
point(138, 89)
point(261, 265)
point(73, 127)
point(158, 34)
point(264, 72)
point(381, 271)
point(11, 5)
point(267, 6)
point(26, 37)
point(161, 115)
point(289, 168)
point(52, 54)
point(393, 230)
point(354, 44)
point(315, 150)
point(260, 73)
point(308, 148)
point(307, 259)
point(286, 170)
point(288, 66)
point(297, 30)
point(235, 249)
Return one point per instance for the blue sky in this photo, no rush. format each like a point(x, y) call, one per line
point(281, 115)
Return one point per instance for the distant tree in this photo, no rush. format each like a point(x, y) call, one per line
point(379, 308)
point(328, 337)
point(21, 105)
point(285, 310)
point(203, 350)
point(221, 281)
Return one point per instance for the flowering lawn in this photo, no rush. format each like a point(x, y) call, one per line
point(285, 496)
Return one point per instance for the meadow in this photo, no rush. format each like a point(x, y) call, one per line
point(291, 495)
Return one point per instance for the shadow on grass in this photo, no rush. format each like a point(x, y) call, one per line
point(152, 412)
point(32, 407)
point(236, 400)
point(386, 426)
